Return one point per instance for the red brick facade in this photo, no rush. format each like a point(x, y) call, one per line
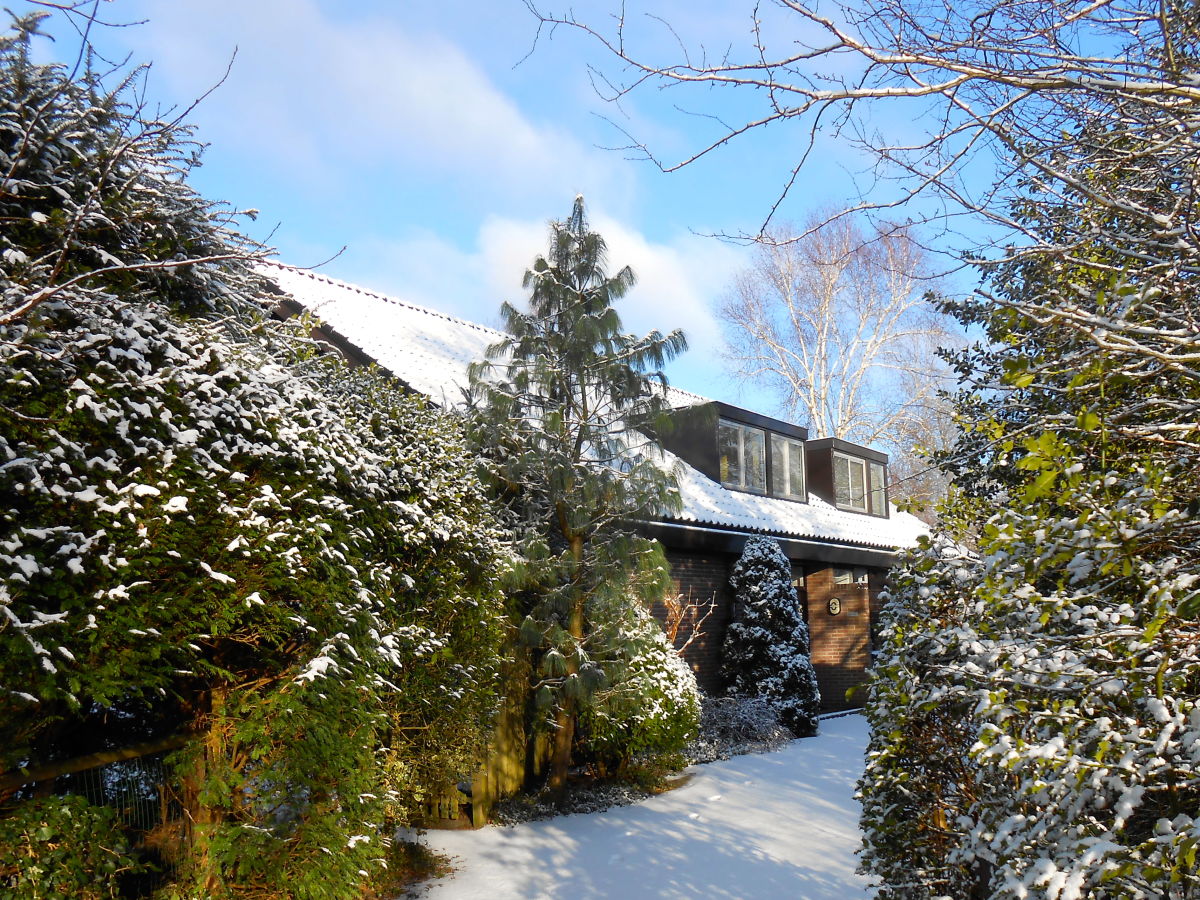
point(841, 641)
point(700, 579)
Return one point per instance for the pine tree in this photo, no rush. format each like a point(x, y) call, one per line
point(766, 650)
point(566, 402)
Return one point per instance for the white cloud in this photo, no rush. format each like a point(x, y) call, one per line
point(678, 284)
point(324, 94)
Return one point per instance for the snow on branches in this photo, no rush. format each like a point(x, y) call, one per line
point(766, 646)
point(209, 534)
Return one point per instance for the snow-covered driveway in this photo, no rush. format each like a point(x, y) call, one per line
point(772, 826)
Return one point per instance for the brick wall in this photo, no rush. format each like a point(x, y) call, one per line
point(840, 642)
point(699, 578)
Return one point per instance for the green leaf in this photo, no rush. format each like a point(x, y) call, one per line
point(1154, 628)
point(1088, 421)
point(1041, 485)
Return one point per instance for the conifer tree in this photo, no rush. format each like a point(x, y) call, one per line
point(766, 651)
point(565, 404)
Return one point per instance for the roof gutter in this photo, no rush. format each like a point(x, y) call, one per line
point(682, 536)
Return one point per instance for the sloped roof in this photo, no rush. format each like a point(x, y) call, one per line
point(705, 502)
point(430, 352)
point(427, 350)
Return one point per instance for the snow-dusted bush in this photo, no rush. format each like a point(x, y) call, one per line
point(733, 725)
point(1034, 709)
point(734, 720)
point(766, 647)
point(1035, 715)
point(650, 705)
point(207, 533)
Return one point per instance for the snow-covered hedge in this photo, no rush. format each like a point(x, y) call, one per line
point(208, 532)
point(766, 645)
point(1035, 708)
point(1037, 730)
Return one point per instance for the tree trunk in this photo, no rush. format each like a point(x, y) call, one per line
point(204, 817)
point(568, 706)
point(564, 738)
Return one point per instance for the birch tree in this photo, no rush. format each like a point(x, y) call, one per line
point(841, 324)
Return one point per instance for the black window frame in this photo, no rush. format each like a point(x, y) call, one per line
point(794, 444)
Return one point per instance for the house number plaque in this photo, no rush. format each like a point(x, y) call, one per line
point(835, 606)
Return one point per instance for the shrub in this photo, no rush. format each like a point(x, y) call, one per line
point(651, 705)
point(62, 847)
point(733, 725)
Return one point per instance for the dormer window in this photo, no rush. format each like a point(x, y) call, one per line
point(742, 450)
point(743, 456)
point(787, 468)
point(859, 485)
point(850, 482)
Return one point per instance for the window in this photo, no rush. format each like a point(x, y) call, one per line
point(850, 482)
point(743, 456)
point(787, 467)
point(854, 490)
point(850, 576)
point(878, 490)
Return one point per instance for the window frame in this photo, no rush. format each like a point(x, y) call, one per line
point(742, 428)
point(874, 497)
point(790, 445)
point(862, 464)
point(879, 491)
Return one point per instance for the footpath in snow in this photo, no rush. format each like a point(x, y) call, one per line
point(773, 825)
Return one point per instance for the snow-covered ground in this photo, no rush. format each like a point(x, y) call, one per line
point(772, 825)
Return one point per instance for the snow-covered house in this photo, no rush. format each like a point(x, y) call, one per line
point(740, 474)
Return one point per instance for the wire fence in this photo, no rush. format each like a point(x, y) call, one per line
point(140, 793)
point(136, 789)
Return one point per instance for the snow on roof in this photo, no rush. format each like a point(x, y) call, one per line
point(430, 352)
point(427, 350)
point(705, 502)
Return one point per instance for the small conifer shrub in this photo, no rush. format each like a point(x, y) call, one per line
point(766, 651)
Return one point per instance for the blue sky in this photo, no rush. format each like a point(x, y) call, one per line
point(428, 139)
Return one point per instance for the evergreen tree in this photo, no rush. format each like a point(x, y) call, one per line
point(566, 402)
point(766, 650)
